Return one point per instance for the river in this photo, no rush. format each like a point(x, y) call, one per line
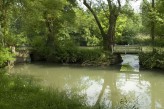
point(107, 85)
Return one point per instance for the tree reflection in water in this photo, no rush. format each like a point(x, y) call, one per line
point(105, 87)
point(130, 63)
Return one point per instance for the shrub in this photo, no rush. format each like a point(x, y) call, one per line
point(73, 55)
point(89, 54)
point(64, 51)
point(5, 55)
point(147, 40)
point(152, 60)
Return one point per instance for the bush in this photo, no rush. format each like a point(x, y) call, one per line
point(146, 40)
point(63, 52)
point(73, 55)
point(5, 55)
point(89, 54)
point(152, 60)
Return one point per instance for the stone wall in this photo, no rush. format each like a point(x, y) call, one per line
point(22, 56)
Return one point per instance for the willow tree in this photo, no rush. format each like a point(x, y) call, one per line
point(112, 13)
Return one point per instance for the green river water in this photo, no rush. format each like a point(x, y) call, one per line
point(106, 85)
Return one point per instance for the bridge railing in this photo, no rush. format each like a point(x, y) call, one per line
point(127, 49)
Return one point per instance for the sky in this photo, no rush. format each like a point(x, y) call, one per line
point(135, 4)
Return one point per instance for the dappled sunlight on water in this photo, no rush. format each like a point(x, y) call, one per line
point(106, 86)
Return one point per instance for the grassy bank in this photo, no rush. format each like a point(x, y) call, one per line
point(23, 93)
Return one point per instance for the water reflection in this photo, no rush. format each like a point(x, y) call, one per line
point(130, 63)
point(105, 86)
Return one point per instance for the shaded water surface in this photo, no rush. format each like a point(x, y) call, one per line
point(104, 85)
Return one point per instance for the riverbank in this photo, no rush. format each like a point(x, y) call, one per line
point(93, 82)
point(24, 93)
point(82, 56)
point(152, 60)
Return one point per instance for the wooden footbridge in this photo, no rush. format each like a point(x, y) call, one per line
point(127, 49)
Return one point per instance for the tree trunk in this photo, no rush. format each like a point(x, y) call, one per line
point(49, 26)
point(153, 32)
point(111, 30)
point(153, 24)
point(106, 43)
point(3, 24)
point(104, 36)
point(108, 38)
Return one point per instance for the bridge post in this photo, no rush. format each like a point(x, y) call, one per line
point(125, 49)
point(112, 46)
point(128, 48)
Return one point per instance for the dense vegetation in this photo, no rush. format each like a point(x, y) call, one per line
point(152, 60)
point(55, 29)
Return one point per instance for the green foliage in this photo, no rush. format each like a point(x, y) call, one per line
point(152, 60)
point(93, 41)
point(159, 42)
point(85, 31)
point(73, 55)
point(146, 40)
point(5, 55)
point(39, 46)
point(160, 18)
point(142, 39)
point(55, 27)
point(63, 51)
point(127, 28)
point(62, 55)
point(89, 54)
point(121, 24)
point(150, 15)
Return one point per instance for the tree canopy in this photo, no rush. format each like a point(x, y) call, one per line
point(49, 24)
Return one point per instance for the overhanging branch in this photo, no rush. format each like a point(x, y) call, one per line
point(106, 15)
point(119, 3)
point(95, 16)
point(109, 4)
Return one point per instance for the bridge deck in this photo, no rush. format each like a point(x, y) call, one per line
point(132, 49)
